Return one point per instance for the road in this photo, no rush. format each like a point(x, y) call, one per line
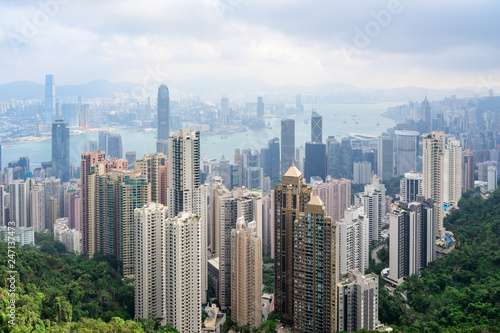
point(374, 253)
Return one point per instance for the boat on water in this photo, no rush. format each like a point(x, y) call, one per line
point(7, 146)
point(344, 122)
point(378, 124)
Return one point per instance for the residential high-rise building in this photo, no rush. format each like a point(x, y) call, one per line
point(163, 116)
point(150, 245)
point(115, 147)
point(433, 169)
point(52, 189)
point(3, 218)
point(357, 301)
point(362, 172)
point(260, 107)
point(316, 127)
point(290, 199)
point(37, 207)
point(287, 143)
point(184, 285)
point(18, 210)
point(216, 192)
point(267, 224)
point(60, 150)
point(385, 157)
point(149, 166)
point(336, 195)
point(50, 99)
point(373, 201)
point(406, 151)
point(412, 244)
point(353, 241)
point(185, 193)
point(246, 274)
point(315, 161)
point(468, 170)
point(314, 269)
point(410, 186)
point(452, 175)
point(492, 178)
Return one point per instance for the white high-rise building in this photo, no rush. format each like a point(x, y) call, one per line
point(19, 203)
point(149, 261)
point(362, 172)
point(353, 241)
point(183, 272)
point(373, 201)
point(452, 190)
point(185, 193)
point(410, 186)
point(433, 168)
point(492, 177)
point(2, 206)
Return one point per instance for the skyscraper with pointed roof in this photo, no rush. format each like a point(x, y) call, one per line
point(316, 127)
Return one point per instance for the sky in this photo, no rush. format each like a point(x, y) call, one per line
point(369, 44)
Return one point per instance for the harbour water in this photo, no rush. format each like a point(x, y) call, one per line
point(338, 119)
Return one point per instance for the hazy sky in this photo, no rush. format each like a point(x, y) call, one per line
point(371, 43)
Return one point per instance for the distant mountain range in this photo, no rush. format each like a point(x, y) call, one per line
point(342, 92)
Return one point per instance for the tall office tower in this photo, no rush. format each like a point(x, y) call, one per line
point(260, 107)
point(237, 161)
point(362, 172)
point(149, 166)
point(115, 147)
point(3, 221)
point(103, 141)
point(340, 158)
point(410, 186)
point(287, 143)
point(246, 274)
point(37, 207)
point(316, 127)
point(18, 210)
point(163, 116)
point(185, 192)
point(50, 99)
point(300, 156)
point(90, 146)
point(413, 239)
point(184, 285)
point(452, 184)
point(229, 173)
point(60, 150)
point(290, 199)
point(357, 302)
point(85, 116)
point(253, 174)
point(336, 195)
point(468, 170)
point(433, 167)
point(71, 112)
point(224, 110)
point(149, 261)
point(272, 161)
point(131, 157)
point(87, 205)
point(314, 269)
point(492, 178)
point(385, 157)
point(315, 161)
point(353, 241)
point(373, 201)
point(162, 147)
point(267, 227)
point(425, 115)
point(406, 151)
point(227, 208)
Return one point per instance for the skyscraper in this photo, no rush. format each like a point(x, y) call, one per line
point(260, 107)
point(406, 151)
point(426, 115)
point(224, 110)
point(50, 99)
point(412, 243)
point(163, 116)
point(3, 221)
point(18, 211)
point(149, 166)
point(150, 244)
point(60, 150)
point(373, 201)
point(468, 170)
point(115, 147)
point(314, 269)
point(336, 195)
point(290, 199)
point(385, 160)
point(452, 185)
point(362, 172)
point(316, 127)
point(315, 161)
point(287, 143)
point(246, 274)
point(410, 187)
point(185, 193)
point(103, 141)
point(131, 157)
point(433, 167)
